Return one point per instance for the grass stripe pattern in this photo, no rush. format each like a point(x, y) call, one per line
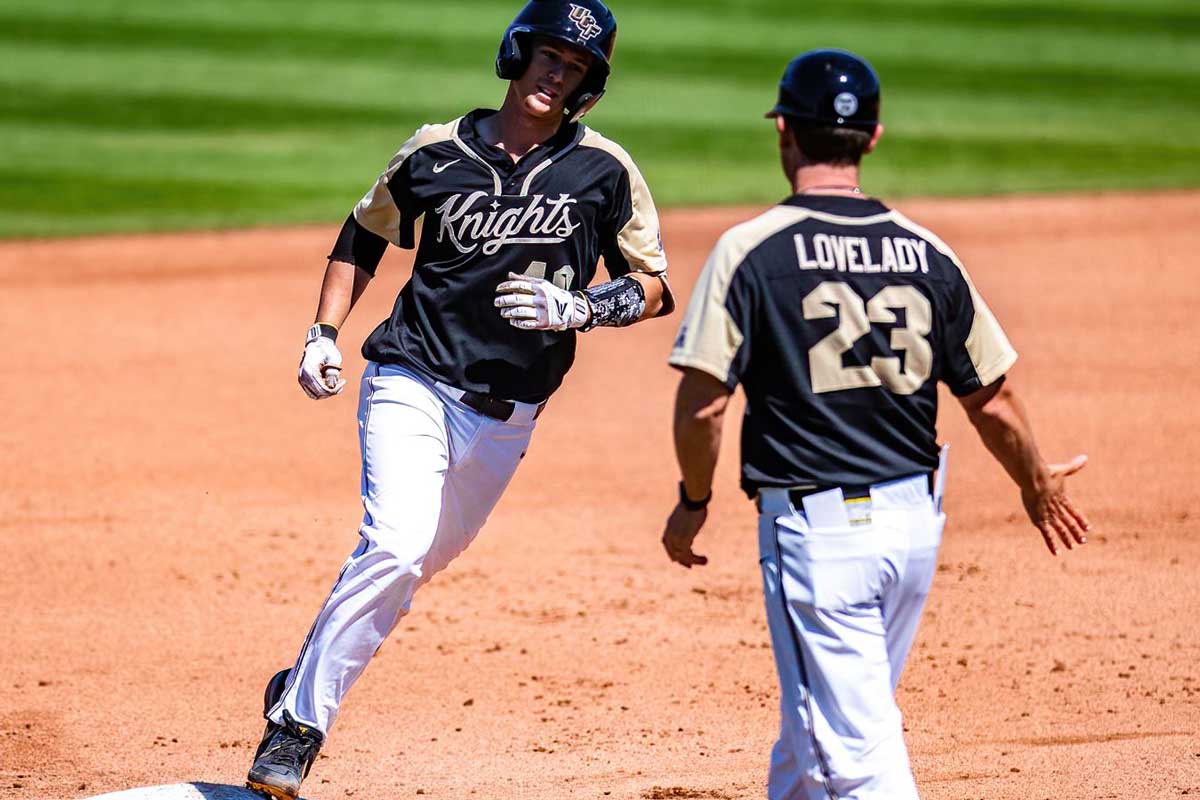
point(141, 115)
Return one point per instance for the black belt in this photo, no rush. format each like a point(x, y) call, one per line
point(494, 407)
point(796, 494)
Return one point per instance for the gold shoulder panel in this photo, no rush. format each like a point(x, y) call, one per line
point(708, 336)
point(377, 211)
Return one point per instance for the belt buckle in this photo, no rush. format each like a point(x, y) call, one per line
point(796, 494)
point(494, 407)
point(497, 409)
point(489, 406)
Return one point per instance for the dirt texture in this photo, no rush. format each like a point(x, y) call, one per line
point(173, 511)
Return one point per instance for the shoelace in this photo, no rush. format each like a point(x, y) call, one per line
point(295, 745)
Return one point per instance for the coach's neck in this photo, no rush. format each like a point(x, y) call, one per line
point(812, 176)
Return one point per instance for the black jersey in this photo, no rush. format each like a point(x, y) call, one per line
point(553, 214)
point(838, 316)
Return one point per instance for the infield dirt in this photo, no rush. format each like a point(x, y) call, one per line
point(173, 511)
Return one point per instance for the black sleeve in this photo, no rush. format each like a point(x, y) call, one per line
point(619, 214)
point(358, 246)
point(400, 188)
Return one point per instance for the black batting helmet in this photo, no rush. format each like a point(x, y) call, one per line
point(829, 88)
point(584, 23)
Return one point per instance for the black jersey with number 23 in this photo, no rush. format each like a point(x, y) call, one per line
point(838, 316)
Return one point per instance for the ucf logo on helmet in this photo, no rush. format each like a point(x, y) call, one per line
point(585, 22)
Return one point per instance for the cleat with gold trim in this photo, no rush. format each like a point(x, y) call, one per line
point(287, 751)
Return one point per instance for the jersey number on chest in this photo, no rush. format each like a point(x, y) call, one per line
point(562, 277)
point(836, 299)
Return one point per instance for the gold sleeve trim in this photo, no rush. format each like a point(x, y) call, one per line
point(377, 211)
point(694, 363)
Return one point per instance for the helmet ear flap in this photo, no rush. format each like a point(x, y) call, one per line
point(514, 55)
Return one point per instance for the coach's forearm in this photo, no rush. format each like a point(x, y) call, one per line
point(1004, 428)
point(343, 285)
point(699, 417)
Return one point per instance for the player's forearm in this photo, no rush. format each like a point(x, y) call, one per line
point(699, 417)
point(343, 285)
point(626, 300)
point(652, 288)
point(1004, 427)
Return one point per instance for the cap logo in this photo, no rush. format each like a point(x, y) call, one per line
point(845, 104)
point(585, 22)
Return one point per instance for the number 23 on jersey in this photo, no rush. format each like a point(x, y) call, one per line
point(835, 299)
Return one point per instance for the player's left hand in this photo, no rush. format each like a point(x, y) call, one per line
point(682, 528)
point(536, 304)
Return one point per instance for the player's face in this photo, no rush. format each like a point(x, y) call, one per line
point(555, 71)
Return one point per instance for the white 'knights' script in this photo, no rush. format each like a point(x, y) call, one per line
point(540, 222)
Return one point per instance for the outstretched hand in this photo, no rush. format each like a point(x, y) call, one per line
point(682, 528)
point(1053, 513)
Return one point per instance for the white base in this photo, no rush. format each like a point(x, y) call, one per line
point(184, 791)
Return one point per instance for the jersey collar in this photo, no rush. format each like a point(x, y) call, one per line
point(842, 205)
point(568, 135)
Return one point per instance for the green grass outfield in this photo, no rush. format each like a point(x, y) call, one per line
point(133, 115)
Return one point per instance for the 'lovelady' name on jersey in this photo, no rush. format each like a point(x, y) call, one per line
point(854, 254)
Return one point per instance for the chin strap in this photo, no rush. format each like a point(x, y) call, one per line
point(585, 104)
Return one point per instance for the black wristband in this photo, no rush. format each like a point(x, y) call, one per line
point(322, 329)
point(693, 505)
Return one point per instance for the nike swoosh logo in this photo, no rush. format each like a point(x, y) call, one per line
point(438, 169)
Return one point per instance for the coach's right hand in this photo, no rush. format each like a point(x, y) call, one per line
point(321, 368)
point(1051, 510)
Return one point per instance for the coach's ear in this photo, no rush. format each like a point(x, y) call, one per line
point(875, 137)
point(786, 137)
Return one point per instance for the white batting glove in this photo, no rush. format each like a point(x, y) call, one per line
point(535, 304)
point(321, 366)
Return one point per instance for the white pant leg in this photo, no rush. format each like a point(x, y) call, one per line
point(405, 456)
point(485, 454)
point(424, 501)
point(795, 771)
point(827, 591)
point(904, 602)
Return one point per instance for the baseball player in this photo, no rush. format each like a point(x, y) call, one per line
point(839, 316)
point(518, 207)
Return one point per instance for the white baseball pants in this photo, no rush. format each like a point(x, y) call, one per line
point(843, 602)
point(432, 471)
